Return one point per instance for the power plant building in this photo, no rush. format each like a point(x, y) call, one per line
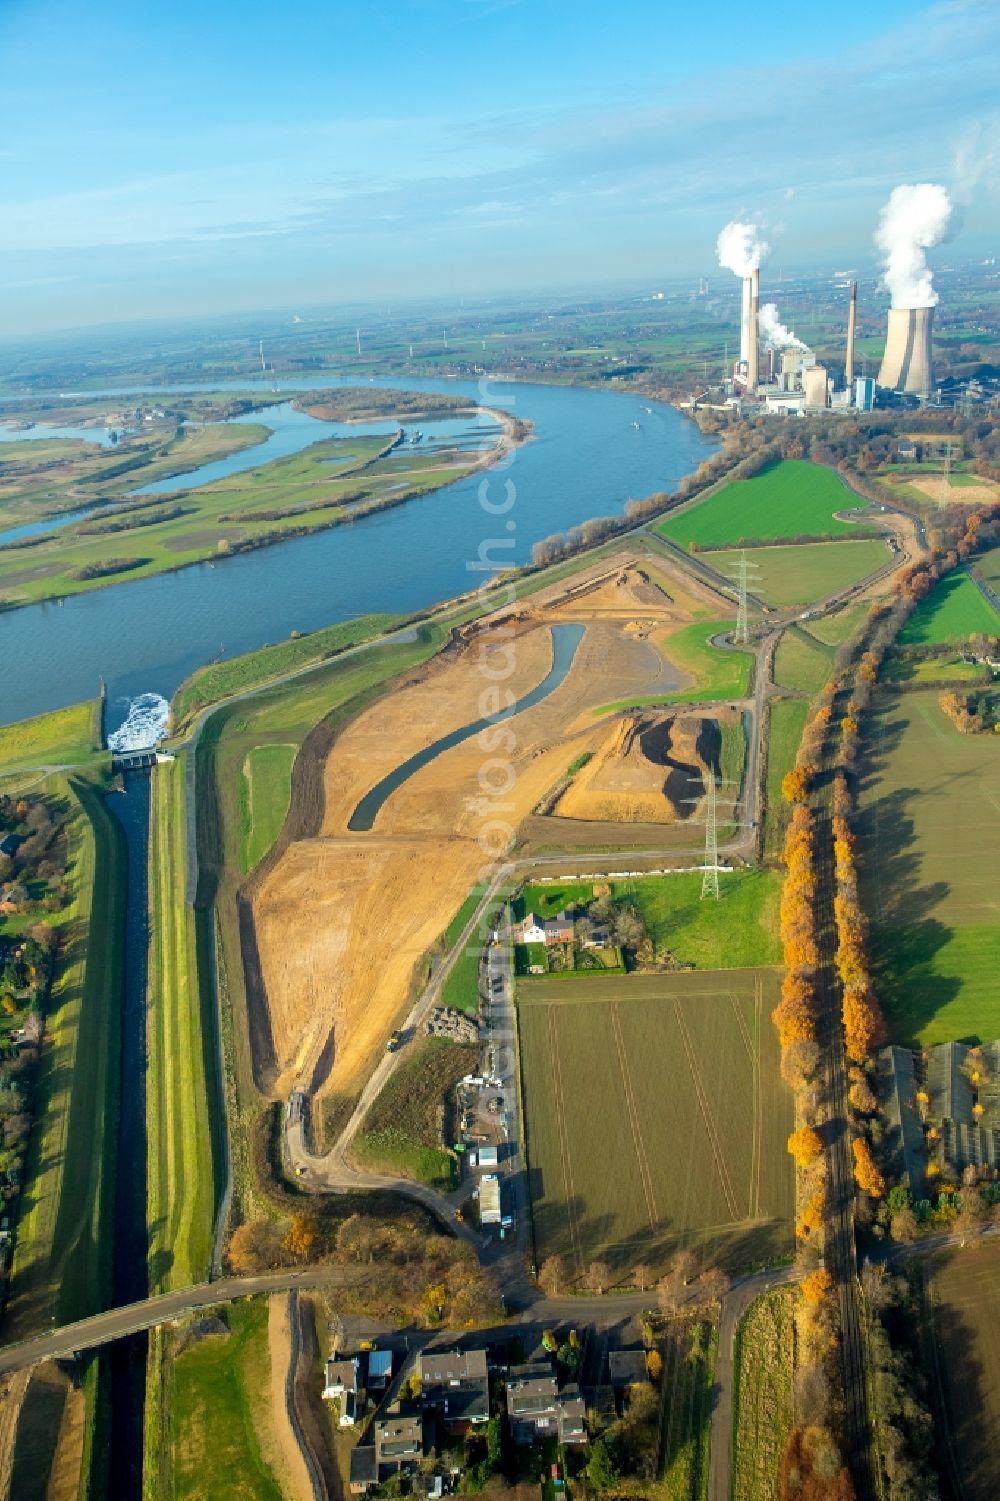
point(864, 394)
point(815, 382)
point(906, 364)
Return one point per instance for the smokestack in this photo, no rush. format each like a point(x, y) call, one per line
point(852, 316)
point(745, 325)
point(906, 364)
point(753, 335)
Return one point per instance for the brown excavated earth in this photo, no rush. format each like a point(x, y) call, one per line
point(647, 770)
point(336, 926)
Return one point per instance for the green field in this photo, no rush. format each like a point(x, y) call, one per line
point(791, 499)
point(654, 1116)
point(963, 1363)
point(831, 630)
point(181, 1098)
point(801, 575)
point(988, 564)
point(264, 798)
point(763, 1361)
point(953, 611)
point(62, 1262)
point(718, 674)
point(461, 988)
point(66, 737)
point(737, 932)
point(949, 669)
point(217, 1387)
point(930, 826)
point(402, 1132)
point(801, 663)
point(785, 725)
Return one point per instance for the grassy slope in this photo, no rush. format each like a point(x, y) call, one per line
point(787, 721)
point(800, 575)
point(801, 663)
point(62, 1261)
point(181, 1192)
point(717, 674)
point(952, 611)
point(831, 630)
point(791, 499)
point(253, 669)
point(764, 1360)
point(215, 1386)
point(688, 1374)
point(265, 794)
point(737, 932)
point(63, 738)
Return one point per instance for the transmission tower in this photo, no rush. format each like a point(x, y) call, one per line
point(710, 878)
point(947, 466)
point(742, 628)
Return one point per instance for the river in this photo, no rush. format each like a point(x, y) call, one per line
point(591, 451)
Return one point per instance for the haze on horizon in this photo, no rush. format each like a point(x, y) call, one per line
point(187, 162)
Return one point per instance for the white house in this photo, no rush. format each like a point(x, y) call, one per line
point(342, 1383)
point(532, 929)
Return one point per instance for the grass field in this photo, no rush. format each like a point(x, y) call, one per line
point(180, 1043)
point(831, 630)
point(932, 670)
point(763, 1362)
point(737, 932)
point(405, 1129)
point(253, 669)
point(689, 1355)
point(791, 499)
point(654, 1116)
point(461, 988)
point(718, 674)
point(62, 1260)
point(801, 663)
point(963, 1360)
point(800, 575)
point(217, 1387)
point(930, 825)
point(953, 611)
point(988, 564)
point(787, 721)
point(264, 798)
point(66, 737)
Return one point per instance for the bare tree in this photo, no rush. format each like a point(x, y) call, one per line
point(597, 1277)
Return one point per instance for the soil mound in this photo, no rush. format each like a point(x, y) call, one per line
point(647, 770)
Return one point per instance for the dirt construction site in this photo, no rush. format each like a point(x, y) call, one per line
point(342, 919)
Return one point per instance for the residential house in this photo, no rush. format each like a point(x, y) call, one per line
point(558, 929)
point(532, 929)
point(364, 1470)
point(455, 1386)
point(398, 1441)
point(342, 1385)
point(600, 938)
point(536, 1408)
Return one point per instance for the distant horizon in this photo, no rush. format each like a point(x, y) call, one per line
point(206, 162)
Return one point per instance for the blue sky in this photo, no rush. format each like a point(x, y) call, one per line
point(214, 157)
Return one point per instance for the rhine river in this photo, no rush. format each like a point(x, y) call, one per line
point(591, 452)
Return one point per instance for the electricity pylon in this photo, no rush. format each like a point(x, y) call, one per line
point(947, 466)
point(710, 876)
point(742, 629)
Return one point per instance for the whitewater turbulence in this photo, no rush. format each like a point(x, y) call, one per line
point(145, 723)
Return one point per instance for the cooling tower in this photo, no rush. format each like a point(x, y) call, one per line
point(906, 364)
point(753, 334)
point(852, 317)
point(745, 326)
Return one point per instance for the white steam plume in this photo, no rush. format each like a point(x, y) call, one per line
point(916, 217)
point(740, 248)
point(773, 332)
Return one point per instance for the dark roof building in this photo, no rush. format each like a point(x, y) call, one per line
point(398, 1441)
point(455, 1385)
point(364, 1470)
point(626, 1367)
point(537, 1408)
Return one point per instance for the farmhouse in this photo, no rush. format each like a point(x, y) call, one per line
point(558, 929)
point(537, 1408)
point(455, 1386)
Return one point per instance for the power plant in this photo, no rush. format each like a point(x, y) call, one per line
point(906, 364)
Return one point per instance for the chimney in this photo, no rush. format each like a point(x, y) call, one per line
point(745, 326)
point(852, 316)
point(906, 364)
point(753, 337)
